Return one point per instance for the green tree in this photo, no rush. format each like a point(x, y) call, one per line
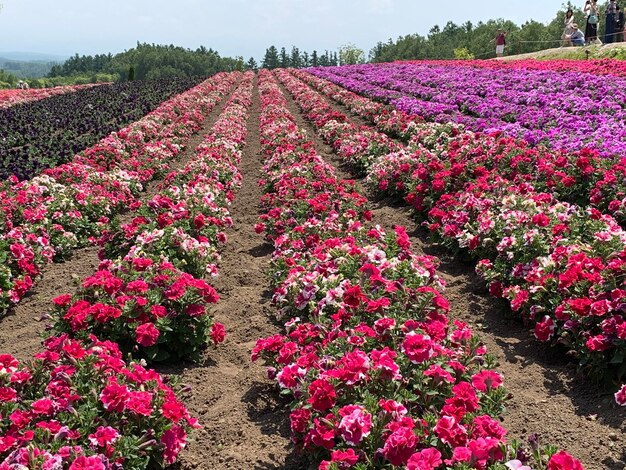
point(270, 60)
point(251, 64)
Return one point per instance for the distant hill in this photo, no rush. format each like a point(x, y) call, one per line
point(32, 56)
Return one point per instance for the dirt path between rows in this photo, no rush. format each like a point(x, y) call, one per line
point(548, 397)
point(21, 328)
point(245, 423)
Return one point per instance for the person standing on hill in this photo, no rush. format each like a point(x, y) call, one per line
point(500, 43)
point(611, 20)
point(593, 17)
point(569, 27)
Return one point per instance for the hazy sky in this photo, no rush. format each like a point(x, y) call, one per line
point(239, 27)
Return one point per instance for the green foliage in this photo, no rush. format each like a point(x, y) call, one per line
point(479, 40)
point(349, 54)
point(463, 53)
point(149, 61)
point(131, 73)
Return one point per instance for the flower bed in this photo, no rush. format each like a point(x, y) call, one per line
point(546, 257)
point(379, 374)
point(568, 111)
point(78, 405)
point(149, 294)
point(14, 97)
point(68, 207)
point(591, 66)
point(46, 133)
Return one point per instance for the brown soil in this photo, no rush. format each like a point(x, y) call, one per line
point(245, 423)
point(549, 398)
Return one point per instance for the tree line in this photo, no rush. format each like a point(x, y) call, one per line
point(150, 61)
point(470, 40)
point(467, 40)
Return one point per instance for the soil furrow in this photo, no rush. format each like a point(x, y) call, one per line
point(245, 423)
point(549, 398)
point(21, 328)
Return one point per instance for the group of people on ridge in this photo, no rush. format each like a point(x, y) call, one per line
point(613, 31)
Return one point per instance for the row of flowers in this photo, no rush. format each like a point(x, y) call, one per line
point(379, 375)
point(592, 66)
point(78, 405)
point(16, 96)
point(567, 111)
point(149, 294)
point(45, 218)
point(457, 155)
point(556, 263)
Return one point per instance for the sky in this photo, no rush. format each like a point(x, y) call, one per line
point(239, 27)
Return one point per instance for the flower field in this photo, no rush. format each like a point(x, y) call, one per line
point(16, 96)
point(26, 147)
point(261, 297)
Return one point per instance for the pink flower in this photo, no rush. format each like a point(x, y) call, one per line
point(418, 348)
point(174, 440)
point(400, 445)
point(43, 406)
point(486, 380)
point(355, 424)
point(88, 463)
point(349, 457)
point(544, 329)
point(516, 465)
point(218, 333)
point(450, 431)
point(290, 376)
point(564, 461)
point(427, 459)
point(114, 397)
point(147, 334)
point(140, 403)
point(8, 364)
point(104, 436)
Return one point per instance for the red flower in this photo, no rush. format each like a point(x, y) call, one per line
point(7, 394)
point(62, 300)
point(114, 397)
point(427, 459)
point(218, 333)
point(353, 296)
point(104, 436)
point(400, 445)
point(564, 461)
point(8, 364)
point(418, 348)
point(544, 329)
point(322, 395)
point(486, 379)
point(349, 457)
point(88, 463)
point(147, 334)
point(174, 440)
point(299, 420)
